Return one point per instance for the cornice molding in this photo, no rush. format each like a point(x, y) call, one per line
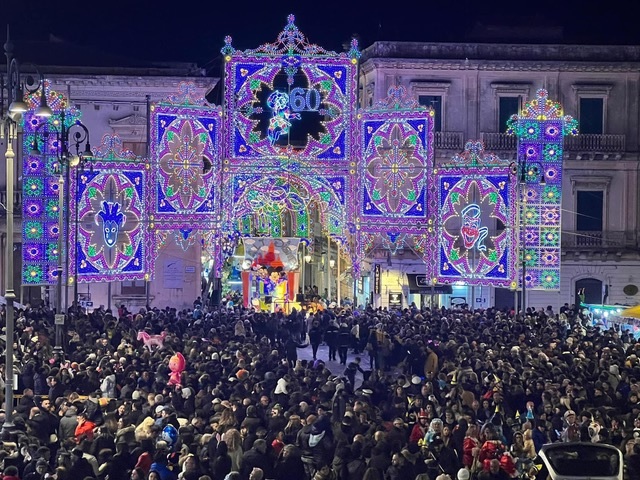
point(492, 65)
point(99, 82)
point(134, 119)
point(107, 88)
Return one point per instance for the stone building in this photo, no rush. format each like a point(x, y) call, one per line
point(474, 88)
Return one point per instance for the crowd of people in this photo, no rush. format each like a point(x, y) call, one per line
point(404, 394)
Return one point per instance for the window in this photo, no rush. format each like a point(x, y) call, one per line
point(433, 93)
point(589, 210)
point(508, 97)
point(507, 106)
point(591, 115)
point(435, 102)
point(133, 287)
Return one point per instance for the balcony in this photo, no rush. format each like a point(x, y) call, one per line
point(594, 240)
point(590, 144)
point(17, 203)
point(449, 141)
point(587, 143)
point(497, 142)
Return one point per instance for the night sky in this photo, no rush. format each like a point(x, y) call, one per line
point(194, 31)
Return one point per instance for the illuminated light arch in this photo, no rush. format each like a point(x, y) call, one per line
point(269, 199)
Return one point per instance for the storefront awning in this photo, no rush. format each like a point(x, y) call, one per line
point(419, 283)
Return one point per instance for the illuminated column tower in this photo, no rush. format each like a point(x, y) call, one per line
point(541, 127)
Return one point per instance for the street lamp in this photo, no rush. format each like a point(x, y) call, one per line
point(526, 173)
point(66, 159)
point(84, 159)
point(12, 107)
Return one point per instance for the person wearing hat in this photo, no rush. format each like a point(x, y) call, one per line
point(420, 428)
point(331, 337)
point(352, 369)
point(315, 338)
point(571, 432)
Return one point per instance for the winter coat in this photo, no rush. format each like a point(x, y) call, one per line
point(84, 430)
point(68, 423)
point(108, 386)
point(289, 468)
point(253, 458)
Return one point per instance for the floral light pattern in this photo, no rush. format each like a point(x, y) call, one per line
point(182, 164)
point(395, 170)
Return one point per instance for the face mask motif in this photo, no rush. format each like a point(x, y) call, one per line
point(112, 220)
point(472, 233)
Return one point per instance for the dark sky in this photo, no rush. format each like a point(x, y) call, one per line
point(186, 30)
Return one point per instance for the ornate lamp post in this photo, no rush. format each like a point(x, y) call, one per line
point(12, 108)
point(66, 144)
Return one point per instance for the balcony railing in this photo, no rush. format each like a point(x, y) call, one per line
point(605, 143)
point(595, 143)
point(581, 239)
point(17, 203)
point(495, 142)
point(449, 140)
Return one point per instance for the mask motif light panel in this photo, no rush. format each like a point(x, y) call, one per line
point(476, 218)
point(113, 240)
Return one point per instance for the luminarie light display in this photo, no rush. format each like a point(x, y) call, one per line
point(541, 128)
point(40, 205)
point(476, 219)
point(113, 240)
point(292, 143)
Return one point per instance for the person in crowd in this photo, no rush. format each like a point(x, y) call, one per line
point(450, 392)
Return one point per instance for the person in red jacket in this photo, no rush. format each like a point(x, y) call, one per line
point(470, 447)
point(10, 473)
point(85, 427)
point(420, 428)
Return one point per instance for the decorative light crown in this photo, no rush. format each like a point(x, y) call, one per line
point(291, 41)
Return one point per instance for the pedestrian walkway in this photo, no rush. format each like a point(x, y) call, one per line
point(334, 366)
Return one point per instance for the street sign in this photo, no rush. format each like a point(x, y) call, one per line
point(59, 319)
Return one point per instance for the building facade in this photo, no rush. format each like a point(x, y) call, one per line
point(474, 89)
point(114, 100)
